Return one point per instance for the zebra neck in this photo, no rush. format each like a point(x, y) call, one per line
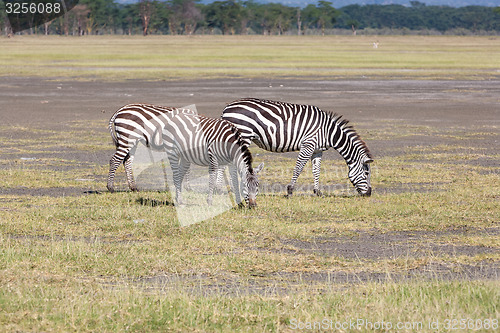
point(242, 164)
point(345, 140)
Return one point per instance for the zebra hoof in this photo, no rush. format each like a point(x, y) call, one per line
point(318, 192)
point(111, 189)
point(289, 191)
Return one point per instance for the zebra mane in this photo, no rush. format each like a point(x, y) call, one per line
point(247, 155)
point(347, 128)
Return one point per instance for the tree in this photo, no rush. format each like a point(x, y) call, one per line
point(299, 22)
point(80, 15)
point(321, 16)
point(4, 21)
point(417, 4)
point(145, 11)
point(224, 15)
point(184, 16)
point(327, 15)
point(101, 14)
point(274, 17)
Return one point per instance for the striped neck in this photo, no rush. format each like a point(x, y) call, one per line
point(343, 138)
point(244, 159)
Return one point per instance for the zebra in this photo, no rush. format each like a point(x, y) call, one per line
point(192, 138)
point(283, 127)
point(131, 124)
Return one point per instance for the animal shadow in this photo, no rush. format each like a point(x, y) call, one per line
point(153, 202)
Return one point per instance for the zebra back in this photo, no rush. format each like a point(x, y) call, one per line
point(135, 122)
point(283, 127)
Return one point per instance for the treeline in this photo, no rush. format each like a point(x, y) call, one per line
point(187, 17)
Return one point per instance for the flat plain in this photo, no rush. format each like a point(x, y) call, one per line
point(424, 248)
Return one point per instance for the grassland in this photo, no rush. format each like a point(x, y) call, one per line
point(413, 252)
point(423, 249)
point(174, 57)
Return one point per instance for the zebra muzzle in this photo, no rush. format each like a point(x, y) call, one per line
point(252, 203)
point(367, 193)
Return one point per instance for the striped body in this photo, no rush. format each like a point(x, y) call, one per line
point(130, 125)
point(284, 127)
point(215, 143)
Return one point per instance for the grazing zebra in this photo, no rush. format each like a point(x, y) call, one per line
point(191, 138)
point(284, 127)
point(130, 125)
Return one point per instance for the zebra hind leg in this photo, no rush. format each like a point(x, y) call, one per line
point(316, 170)
point(114, 163)
point(305, 154)
point(219, 186)
point(127, 163)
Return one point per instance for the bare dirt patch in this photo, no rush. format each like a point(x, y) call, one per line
point(391, 245)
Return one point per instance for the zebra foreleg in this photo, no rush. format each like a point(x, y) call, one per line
point(184, 168)
point(233, 172)
point(187, 182)
point(212, 177)
point(176, 173)
point(316, 169)
point(305, 154)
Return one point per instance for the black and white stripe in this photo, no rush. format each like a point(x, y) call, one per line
point(283, 127)
point(191, 138)
point(130, 125)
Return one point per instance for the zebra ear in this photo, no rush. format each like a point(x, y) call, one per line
point(259, 168)
point(368, 160)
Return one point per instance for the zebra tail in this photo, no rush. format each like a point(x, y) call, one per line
point(111, 129)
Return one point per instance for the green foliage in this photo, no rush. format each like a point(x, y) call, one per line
point(321, 16)
point(225, 15)
point(243, 17)
point(419, 16)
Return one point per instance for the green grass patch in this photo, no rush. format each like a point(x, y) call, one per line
point(52, 303)
point(181, 57)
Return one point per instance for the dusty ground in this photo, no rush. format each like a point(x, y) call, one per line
point(462, 107)
point(438, 106)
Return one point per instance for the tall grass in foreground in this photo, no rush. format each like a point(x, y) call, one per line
point(60, 305)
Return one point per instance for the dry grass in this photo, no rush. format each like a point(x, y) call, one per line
point(114, 262)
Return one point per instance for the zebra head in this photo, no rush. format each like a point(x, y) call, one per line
point(252, 186)
point(359, 174)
